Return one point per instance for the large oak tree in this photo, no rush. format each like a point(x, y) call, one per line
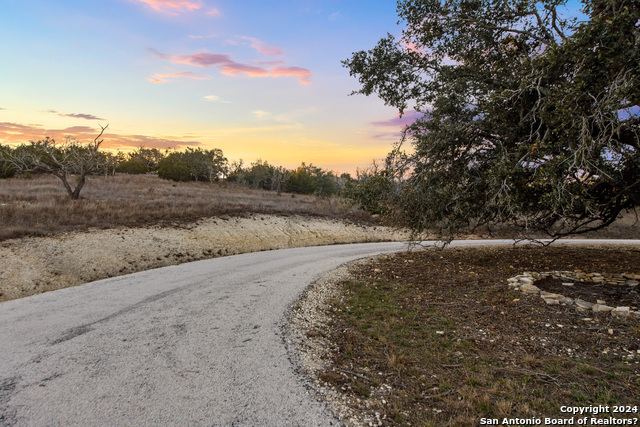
point(528, 116)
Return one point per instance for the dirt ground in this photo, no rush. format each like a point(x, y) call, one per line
point(438, 338)
point(34, 265)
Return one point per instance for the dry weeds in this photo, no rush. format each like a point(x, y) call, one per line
point(437, 338)
point(40, 206)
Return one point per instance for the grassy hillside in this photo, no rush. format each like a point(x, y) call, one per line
point(40, 206)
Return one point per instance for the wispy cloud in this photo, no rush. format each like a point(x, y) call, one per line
point(76, 115)
point(302, 74)
point(172, 6)
point(230, 67)
point(264, 48)
point(216, 98)
point(285, 119)
point(17, 133)
point(262, 114)
point(160, 78)
point(399, 122)
point(335, 16)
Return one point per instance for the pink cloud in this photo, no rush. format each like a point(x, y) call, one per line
point(160, 78)
point(16, 133)
point(271, 63)
point(172, 6)
point(76, 115)
point(234, 68)
point(201, 59)
point(264, 48)
point(302, 73)
point(229, 67)
point(408, 118)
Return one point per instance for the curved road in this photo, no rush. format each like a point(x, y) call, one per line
point(194, 344)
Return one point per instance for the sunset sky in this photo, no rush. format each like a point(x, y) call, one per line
point(258, 79)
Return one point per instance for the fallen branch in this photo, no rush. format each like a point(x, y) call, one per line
point(355, 375)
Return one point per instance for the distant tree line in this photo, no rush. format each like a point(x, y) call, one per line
point(72, 160)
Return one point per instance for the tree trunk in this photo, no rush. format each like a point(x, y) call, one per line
point(76, 193)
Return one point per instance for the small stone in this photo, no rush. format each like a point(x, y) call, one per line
point(610, 331)
point(598, 280)
point(567, 284)
point(631, 276)
point(599, 308)
point(583, 304)
point(529, 289)
point(544, 294)
point(622, 312)
point(551, 301)
point(526, 281)
point(632, 283)
point(601, 301)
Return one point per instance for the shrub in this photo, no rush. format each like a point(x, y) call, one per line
point(174, 168)
point(132, 166)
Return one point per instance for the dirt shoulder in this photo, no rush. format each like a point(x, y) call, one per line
point(438, 338)
point(38, 264)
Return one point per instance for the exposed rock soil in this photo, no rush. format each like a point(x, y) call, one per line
point(34, 265)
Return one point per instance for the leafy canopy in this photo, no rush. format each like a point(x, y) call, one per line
point(528, 117)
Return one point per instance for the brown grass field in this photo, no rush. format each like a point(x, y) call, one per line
point(40, 206)
point(436, 338)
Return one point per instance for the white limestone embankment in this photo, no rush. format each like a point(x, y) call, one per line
point(37, 264)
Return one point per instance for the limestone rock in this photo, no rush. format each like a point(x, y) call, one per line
point(544, 294)
point(583, 304)
point(528, 288)
point(622, 312)
point(599, 308)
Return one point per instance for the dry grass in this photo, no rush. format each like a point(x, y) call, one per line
point(40, 206)
point(437, 338)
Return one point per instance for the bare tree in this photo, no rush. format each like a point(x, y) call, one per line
point(65, 161)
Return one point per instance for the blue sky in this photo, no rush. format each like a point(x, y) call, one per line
point(259, 80)
point(256, 79)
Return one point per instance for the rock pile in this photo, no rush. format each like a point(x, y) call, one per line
point(525, 283)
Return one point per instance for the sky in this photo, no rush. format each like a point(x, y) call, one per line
point(257, 79)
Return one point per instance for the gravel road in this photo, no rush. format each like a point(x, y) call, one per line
point(195, 344)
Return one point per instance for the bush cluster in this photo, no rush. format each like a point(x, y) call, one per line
point(211, 165)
